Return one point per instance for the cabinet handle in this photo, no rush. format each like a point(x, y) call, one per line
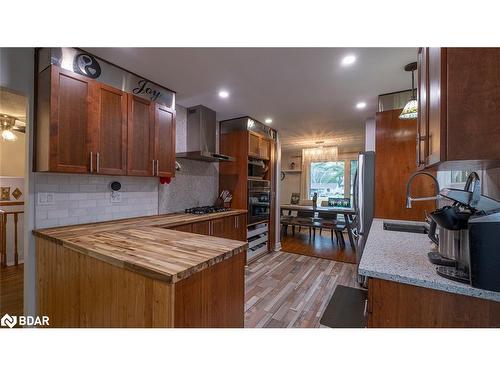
point(209, 228)
point(365, 312)
point(418, 150)
point(97, 161)
point(91, 161)
point(153, 167)
point(157, 167)
point(236, 222)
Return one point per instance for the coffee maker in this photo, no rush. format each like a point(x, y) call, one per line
point(469, 238)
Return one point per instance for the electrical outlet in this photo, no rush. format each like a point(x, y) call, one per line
point(46, 199)
point(115, 197)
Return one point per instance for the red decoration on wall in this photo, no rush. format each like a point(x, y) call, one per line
point(165, 180)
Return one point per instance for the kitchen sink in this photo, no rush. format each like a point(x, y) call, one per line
point(405, 227)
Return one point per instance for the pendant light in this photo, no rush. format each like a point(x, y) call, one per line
point(410, 111)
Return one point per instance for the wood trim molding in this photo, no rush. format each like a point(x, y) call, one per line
point(15, 203)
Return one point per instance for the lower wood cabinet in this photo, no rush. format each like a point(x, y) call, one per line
point(231, 227)
point(76, 290)
point(397, 305)
point(202, 227)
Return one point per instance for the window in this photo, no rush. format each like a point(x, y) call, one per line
point(459, 176)
point(327, 179)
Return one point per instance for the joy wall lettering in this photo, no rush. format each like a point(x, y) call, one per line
point(143, 88)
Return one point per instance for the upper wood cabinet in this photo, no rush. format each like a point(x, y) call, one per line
point(258, 147)
point(459, 101)
point(63, 130)
point(109, 130)
point(141, 137)
point(164, 141)
point(85, 126)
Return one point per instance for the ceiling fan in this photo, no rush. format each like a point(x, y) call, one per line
point(9, 125)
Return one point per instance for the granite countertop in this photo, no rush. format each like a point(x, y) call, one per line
point(145, 245)
point(402, 257)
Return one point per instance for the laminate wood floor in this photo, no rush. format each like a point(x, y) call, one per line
point(290, 290)
point(321, 246)
point(11, 290)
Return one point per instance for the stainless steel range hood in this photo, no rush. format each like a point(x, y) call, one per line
point(201, 136)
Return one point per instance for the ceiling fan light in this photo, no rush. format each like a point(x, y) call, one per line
point(8, 135)
point(410, 111)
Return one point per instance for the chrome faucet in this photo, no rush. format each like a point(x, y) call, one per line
point(410, 199)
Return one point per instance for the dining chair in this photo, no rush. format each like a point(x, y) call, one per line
point(287, 220)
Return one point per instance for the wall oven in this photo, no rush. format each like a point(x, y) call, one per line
point(259, 200)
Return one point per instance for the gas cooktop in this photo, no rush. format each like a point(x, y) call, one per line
point(205, 210)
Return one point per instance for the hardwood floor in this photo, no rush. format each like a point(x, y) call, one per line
point(11, 290)
point(320, 247)
point(290, 290)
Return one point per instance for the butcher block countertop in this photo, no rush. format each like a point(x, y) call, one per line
point(145, 245)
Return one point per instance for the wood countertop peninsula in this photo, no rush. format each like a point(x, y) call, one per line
point(148, 246)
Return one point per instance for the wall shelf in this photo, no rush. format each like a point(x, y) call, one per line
point(292, 170)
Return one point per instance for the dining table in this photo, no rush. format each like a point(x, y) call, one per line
point(347, 212)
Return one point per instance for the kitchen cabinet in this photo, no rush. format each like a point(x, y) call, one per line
point(258, 147)
point(459, 97)
point(184, 228)
point(151, 139)
point(64, 129)
point(85, 126)
point(141, 133)
point(202, 227)
point(231, 227)
point(397, 305)
point(109, 129)
point(164, 146)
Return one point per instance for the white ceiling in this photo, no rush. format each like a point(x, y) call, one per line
point(306, 91)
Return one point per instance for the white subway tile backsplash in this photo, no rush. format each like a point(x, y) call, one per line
point(87, 203)
point(57, 214)
point(82, 199)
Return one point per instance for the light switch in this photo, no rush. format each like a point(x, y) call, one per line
point(45, 199)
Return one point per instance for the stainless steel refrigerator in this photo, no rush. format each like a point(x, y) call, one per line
point(364, 201)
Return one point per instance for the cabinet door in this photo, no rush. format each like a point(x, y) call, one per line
point(69, 122)
point(422, 120)
point(253, 145)
point(164, 141)
point(218, 227)
point(435, 100)
point(140, 135)
point(264, 148)
point(110, 133)
point(202, 227)
point(473, 103)
point(184, 228)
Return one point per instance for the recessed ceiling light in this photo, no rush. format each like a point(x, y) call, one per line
point(348, 60)
point(361, 105)
point(223, 93)
point(268, 120)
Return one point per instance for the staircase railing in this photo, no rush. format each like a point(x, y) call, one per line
point(4, 217)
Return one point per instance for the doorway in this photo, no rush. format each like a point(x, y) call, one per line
point(13, 118)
